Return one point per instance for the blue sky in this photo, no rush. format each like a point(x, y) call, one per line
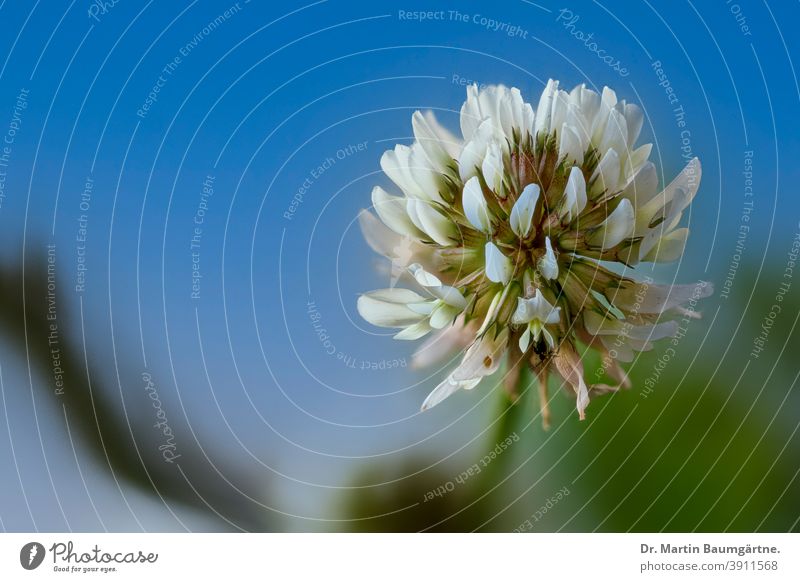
point(269, 99)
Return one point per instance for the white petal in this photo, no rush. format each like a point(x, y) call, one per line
point(392, 211)
point(423, 277)
point(471, 157)
point(569, 365)
point(471, 383)
point(617, 227)
point(490, 101)
point(634, 120)
point(616, 133)
point(410, 169)
point(668, 248)
point(515, 114)
point(570, 144)
point(608, 101)
point(442, 391)
point(396, 295)
point(505, 116)
point(587, 101)
point(492, 167)
point(544, 111)
point(423, 307)
point(498, 266)
point(395, 165)
point(641, 190)
point(443, 315)
point(574, 195)
point(428, 137)
point(471, 116)
point(379, 237)
point(475, 207)
point(450, 295)
point(413, 332)
point(667, 207)
point(655, 332)
point(548, 265)
point(547, 313)
point(683, 187)
point(491, 313)
point(482, 358)
point(447, 139)
point(606, 175)
point(388, 307)
point(535, 308)
point(624, 351)
point(523, 312)
point(432, 222)
point(560, 109)
point(503, 108)
point(526, 119)
point(576, 119)
point(609, 97)
point(649, 298)
point(636, 159)
point(445, 389)
point(598, 325)
point(682, 190)
point(522, 212)
point(525, 340)
point(425, 175)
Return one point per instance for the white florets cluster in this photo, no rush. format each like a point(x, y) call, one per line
point(507, 233)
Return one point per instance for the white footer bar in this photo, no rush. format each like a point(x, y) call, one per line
point(406, 557)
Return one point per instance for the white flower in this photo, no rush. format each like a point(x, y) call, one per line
point(657, 220)
point(439, 144)
point(522, 212)
point(569, 366)
point(548, 265)
point(503, 108)
point(471, 158)
point(475, 207)
point(492, 167)
point(411, 170)
point(429, 220)
point(417, 314)
point(610, 332)
point(498, 266)
point(392, 211)
point(544, 111)
point(606, 175)
point(481, 359)
point(615, 228)
point(390, 307)
point(571, 146)
point(536, 312)
point(507, 229)
point(574, 195)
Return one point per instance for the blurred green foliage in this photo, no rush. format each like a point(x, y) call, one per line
point(712, 447)
point(105, 427)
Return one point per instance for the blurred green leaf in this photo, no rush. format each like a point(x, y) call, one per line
point(129, 452)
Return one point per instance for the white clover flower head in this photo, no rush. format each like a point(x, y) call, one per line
point(504, 234)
